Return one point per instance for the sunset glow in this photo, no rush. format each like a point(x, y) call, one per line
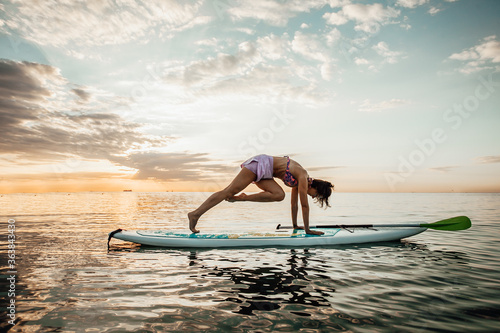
point(398, 96)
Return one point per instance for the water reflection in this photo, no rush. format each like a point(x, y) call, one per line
point(271, 287)
point(307, 279)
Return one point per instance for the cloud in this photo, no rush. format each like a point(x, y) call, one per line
point(255, 71)
point(247, 31)
point(382, 49)
point(368, 18)
point(434, 10)
point(338, 3)
point(444, 169)
point(361, 61)
point(24, 81)
point(411, 3)
point(87, 175)
point(479, 57)
point(368, 106)
point(274, 47)
point(41, 119)
point(98, 22)
point(82, 94)
point(41, 123)
point(332, 37)
point(321, 168)
point(488, 159)
point(389, 56)
point(309, 46)
point(173, 166)
point(211, 42)
point(276, 13)
point(365, 63)
point(265, 83)
point(328, 71)
point(203, 72)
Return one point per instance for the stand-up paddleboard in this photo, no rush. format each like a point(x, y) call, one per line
point(286, 236)
point(276, 238)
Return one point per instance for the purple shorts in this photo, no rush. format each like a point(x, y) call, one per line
point(261, 165)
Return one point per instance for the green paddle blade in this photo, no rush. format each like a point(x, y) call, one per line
point(455, 223)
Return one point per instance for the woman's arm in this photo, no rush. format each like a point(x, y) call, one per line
point(304, 204)
point(295, 206)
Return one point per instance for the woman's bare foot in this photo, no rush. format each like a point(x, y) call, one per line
point(240, 197)
point(193, 220)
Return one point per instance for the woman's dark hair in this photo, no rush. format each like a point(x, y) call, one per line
point(324, 190)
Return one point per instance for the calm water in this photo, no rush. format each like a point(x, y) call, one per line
point(67, 280)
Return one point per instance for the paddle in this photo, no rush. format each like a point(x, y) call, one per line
point(452, 224)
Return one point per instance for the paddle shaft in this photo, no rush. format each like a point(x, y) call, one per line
point(454, 223)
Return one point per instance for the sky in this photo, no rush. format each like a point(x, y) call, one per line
point(165, 95)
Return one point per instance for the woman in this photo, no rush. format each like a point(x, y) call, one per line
point(261, 169)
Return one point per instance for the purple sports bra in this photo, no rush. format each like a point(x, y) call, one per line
point(289, 179)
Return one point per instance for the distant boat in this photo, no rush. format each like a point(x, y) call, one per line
point(127, 190)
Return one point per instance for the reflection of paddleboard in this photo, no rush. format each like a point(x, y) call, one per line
point(332, 236)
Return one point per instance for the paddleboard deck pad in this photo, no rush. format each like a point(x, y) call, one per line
point(290, 238)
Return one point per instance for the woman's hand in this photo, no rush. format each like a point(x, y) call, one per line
point(314, 232)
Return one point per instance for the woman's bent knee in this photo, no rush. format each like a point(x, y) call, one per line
point(279, 196)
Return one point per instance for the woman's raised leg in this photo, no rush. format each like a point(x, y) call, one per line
point(271, 191)
point(239, 183)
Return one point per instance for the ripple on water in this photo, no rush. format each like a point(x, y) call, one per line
point(69, 281)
